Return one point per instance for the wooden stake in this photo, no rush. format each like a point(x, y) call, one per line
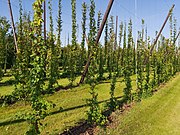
point(157, 37)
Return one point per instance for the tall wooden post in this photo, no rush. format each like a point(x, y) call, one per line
point(157, 37)
point(13, 27)
point(97, 40)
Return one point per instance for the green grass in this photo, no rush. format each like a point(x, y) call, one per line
point(4, 79)
point(72, 101)
point(74, 110)
point(6, 90)
point(158, 115)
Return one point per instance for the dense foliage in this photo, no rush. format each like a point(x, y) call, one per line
point(37, 65)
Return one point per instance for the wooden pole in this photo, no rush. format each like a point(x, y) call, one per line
point(97, 40)
point(13, 27)
point(157, 37)
point(104, 21)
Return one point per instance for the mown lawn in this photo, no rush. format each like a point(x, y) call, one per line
point(158, 115)
point(70, 108)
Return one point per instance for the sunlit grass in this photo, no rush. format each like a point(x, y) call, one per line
point(73, 101)
point(158, 115)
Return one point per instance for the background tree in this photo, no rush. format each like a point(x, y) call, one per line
point(4, 28)
point(21, 69)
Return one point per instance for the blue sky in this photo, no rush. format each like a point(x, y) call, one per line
point(152, 11)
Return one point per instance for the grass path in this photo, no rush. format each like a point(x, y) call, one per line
point(158, 115)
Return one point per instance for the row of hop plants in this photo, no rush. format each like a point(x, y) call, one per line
point(150, 70)
point(36, 61)
point(109, 60)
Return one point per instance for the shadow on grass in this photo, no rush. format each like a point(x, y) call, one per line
point(60, 87)
point(7, 83)
point(83, 127)
point(77, 85)
point(11, 122)
point(65, 87)
point(77, 107)
point(104, 82)
point(61, 110)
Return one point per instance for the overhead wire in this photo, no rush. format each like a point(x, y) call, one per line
point(12, 3)
point(127, 10)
